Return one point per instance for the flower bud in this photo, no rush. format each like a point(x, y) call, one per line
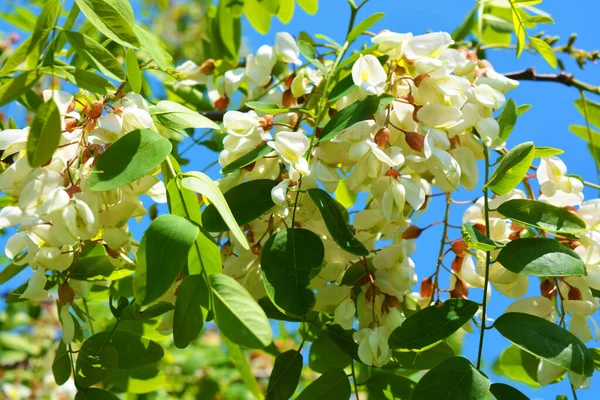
point(514, 236)
point(289, 80)
point(331, 112)
point(392, 302)
point(459, 247)
point(460, 290)
point(94, 111)
point(256, 249)
point(412, 232)
point(250, 236)
point(288, 99)
point(266, 122)
point(153, 211)
point(71, 106)
point(222, 103)
point(415, 141)
point(112, 252)
point(574, 244)
point(419, 78)
point(93, 150)
point(72, 190)
point(70, 124)
point(457, 264)
point(548, 288)
point(250, 166)
point(426, 289)
point(393, 173)
point(480, 228)
point(575, 294)
point(207, 67)
point(382, 137)
point(66, 294)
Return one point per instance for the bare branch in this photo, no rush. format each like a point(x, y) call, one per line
point(564, 78)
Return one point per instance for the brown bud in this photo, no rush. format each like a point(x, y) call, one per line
point(412, 232)
point(72, 190)
point(318, 132)
point(570, 208)
point(415, 141)
point(480, 228)
point(112, 252)
point(266, 122)
point(153, 211)
point(289, 80)
point(419, 78)
point(514, 236)
point(257, 249)
point(460, 290)
point(222, 103)
point(331, 112)
point(393, 173)
point(70, 124)
point(457, 264)
point(94, 111)
point(207, 67)
point(250, 236)
point(94, 150)
point(370, 292)
point(459, 247)
point(65, 294)
point(250, 166)
point(548, 288)
point(574, 244)
point(426, 289)
point(575, 294)
point(288, 99)
point(71, 106)
point(393, 302)
point(382, 137)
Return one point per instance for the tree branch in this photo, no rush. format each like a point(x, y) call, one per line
point(564, 78)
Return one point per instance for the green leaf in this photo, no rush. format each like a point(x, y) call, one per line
point(44, 134)
point(582, 132)
point(358, 111)
point(309, 6)
point(94, 264)
point(134, 74)
point(227, 29)
point(247, 159)
point(518, 365)
point(139, 380)
point(523, 108)
point(593, 112)
point(61, 366)
point(96, 55)
point(131, 157)
point(238, 315)
point(239, 360)
point(308, 51)
point(336, 224)
point(545, 151)
point(539, 19)
point(541, 257)
point(247, 201)
point(512, 169)
point(258, 18)
point(466, 26)
point(114, 18)
point(134, 351)
point(162, 255)
point(201, 183)
point(507, 119)
point(325, 354)
point(477, 240)
point(189, 317)
point(519, 31)
point(345, 196)
point(150, 44)
point(498, 24)
point(95, 394)
point(546, 340)
point(363, 26)
point(332, 385)
point(285, 376)
point(542, 216)
point(544, 49)
point(432, 324)
point(453, 379)
point(132, 312)
point(94, 359)
point(17, 86)
point(390, 386)
point(28, 49)
point(343, 88)
point(286, 11)
point(502, 391)
point(91, 82)
point(287, 261)
point(175, 116)
point(10, 271)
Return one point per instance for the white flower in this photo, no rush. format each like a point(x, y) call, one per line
point(35, 286)
point(391, 43)
point(68, 326)
point(291, 146)
point(287, 48)
point(192, 74)
point(369, 75)
point(556, 187)
point(279, 192)
point(344, 314)
point(373, 348)
point(259, 66)
point(428, 45)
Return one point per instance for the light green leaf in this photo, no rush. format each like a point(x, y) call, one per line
point(542, 215)
point(545, 50)
point(28, 49)
point(114, 18)
point(363, 26)
point(9, 271)
point(308, 51)
point(512, 169)
point(201, 183)
point(539, 19)
point(134, 75)
point(541, 257)
point(241, 363)
point(15, 87)
point(94, 359)
point(131, 157)
point(519, 31)
point(546, 340)
point(518, 365)
point(189, 317)
point(284, 376)
point(162, 255)
point(432, 324)
point(332, 385)
point(309, 6)
point(175, 116)
point(227, 29)
point(453, 379)
point(286, 11)
point(336, 224)
point(44, 134)
point(96, 55)
point(583, 133)
point(507, 119)
point(545, 151)
point(477, 240)
point(238, 315)
point(258, 18)
point(247, 159)
point(247, 201)
point(344, 196)
point(150, 44)
point(91, 82)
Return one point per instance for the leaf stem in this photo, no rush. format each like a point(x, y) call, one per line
point(354, 380)
point(442, 247)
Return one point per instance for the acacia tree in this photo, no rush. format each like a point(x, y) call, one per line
point(327, 151)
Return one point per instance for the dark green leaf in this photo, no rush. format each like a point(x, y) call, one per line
point(325, 354)
point(189, 317)
point(502, 391)
point(432, 324)
point(131, 157)
point(332, 385)
point(336, 225)
point(358, 111)
point(466, 26)
point(134, 74)
point(247, 159)
point(546, 340)
point(542, 215)
point(95, 394)
point(237, 314)
point(44, 134)
point(92, 82)
point(94, 264)
point(9, 271)
point(453, 379)
point(94, 359)
point(247, 201)
point(96, 55)
point(114, 18)
point(343, 88)
point(61, 366)
point(512, 169)
point(390, 386)
point(477, 240)
point(13, 88)
point(541, 257)
point(287, 261)
point(364, 26)
point(285, 376)
point(132, 312)
point(162, 254)
point(507, 119)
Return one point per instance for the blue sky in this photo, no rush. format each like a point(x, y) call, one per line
point(546, 123)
